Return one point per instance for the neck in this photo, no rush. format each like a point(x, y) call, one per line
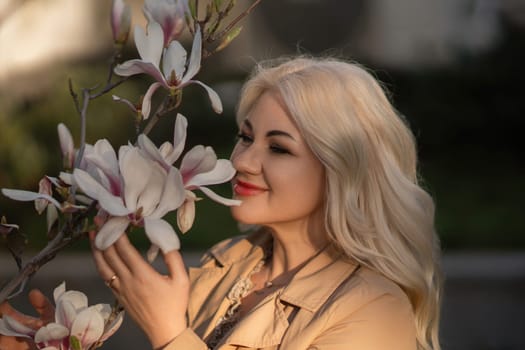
point(293, 248)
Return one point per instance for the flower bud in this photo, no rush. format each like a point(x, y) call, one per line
point(120, 21)
point(170, 14)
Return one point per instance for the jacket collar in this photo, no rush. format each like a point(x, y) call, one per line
point(309, 289)
point(304, 290)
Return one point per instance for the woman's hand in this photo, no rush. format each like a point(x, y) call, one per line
point(46, 313)
point(156, 302)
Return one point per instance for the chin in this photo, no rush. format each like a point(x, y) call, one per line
point(245, 216)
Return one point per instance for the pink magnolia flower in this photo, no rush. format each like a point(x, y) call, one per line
point(199, 168)
point(170, 14)
point(75, 323)
point(134, 191)
point(120, 21)
point(176, 73)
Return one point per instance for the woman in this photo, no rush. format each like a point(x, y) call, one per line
point(344, 255)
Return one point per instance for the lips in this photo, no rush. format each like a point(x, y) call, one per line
point(243, 188)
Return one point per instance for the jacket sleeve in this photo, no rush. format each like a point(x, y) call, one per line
point(384, 323)
point(187, 340)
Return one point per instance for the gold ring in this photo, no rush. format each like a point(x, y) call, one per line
point(110, 281)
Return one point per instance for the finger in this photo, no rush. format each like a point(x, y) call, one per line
point(132, 257)
point(28, 321)
point(42, 305)
point(115, 262)
point(176, 266)
point(103, 268)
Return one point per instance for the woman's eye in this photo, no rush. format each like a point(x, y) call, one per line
point(244, 138)
point(278, 149)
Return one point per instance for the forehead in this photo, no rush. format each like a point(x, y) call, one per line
point(269, 112)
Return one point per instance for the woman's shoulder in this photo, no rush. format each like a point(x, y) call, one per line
point(369, 292)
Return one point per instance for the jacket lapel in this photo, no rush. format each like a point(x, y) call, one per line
point(265, 325)
point(211, 283)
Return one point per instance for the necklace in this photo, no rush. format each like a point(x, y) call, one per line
point(286, 276)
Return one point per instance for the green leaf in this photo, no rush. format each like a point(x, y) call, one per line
point(229, 38)
point(217, 4)
point(193, 10)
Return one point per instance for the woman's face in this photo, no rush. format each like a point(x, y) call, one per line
point(279, 179)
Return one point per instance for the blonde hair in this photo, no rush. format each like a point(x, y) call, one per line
point(375, 210)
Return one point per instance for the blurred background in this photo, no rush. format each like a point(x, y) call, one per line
point(454, 68)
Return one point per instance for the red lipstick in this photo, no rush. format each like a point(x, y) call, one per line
point(242, 188)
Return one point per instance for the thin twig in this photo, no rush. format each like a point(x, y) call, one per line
point(45, 255)
point(238, 19)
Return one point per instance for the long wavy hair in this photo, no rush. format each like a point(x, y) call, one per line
point(375, 211)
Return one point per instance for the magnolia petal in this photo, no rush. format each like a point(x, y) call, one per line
point(44, 187)
point(146, 101)
point(88, 327)
point(166, 149)
point(112, 204)
point(78, 299)
point(112, 327)
point(150, 198)
point(66, 144)
point(58, 291)
point(179, 138)
point(152, 253)
point(6, 330)
point(199, 159)
point(150, 44)
point(16, 326)
point(67, 178)
point(152, 151)
point(215, 100)
point(170, 15)
point(110, 232)
point(65, 313)
point(120, 20)
point(174, 60)
point(51, 331)
point(51, 216)
point(136, 66)
point(215, 197)
point(223, 171)
point(108, 158)
point(161, 234)
point(186, 215)
point(136, 173)
point(173, 194)
point(27, 196)
point(195, 59)
point(103, 309)
point(105, 159)
point(144, 182)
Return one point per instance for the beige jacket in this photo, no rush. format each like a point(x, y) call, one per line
point(330, 304)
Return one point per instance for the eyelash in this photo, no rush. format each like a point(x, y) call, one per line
point(246, 139)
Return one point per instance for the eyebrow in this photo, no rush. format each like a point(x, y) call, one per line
point(271, 132)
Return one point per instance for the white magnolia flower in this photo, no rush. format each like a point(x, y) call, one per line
point(76, 325)
point(134, 190)
point(176, 73)
point(199, 168)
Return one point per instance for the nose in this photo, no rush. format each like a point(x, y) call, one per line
point(246, 160)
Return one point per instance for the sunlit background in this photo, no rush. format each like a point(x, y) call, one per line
point(454, 68)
